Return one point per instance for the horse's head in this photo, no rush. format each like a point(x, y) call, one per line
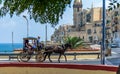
point(67, 45)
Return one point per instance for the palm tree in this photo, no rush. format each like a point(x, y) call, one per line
point(74, 41)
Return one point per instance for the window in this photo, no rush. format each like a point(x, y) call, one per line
point(90, 39)
point(89, 31)
point(116, 20)
point(116, 13)
point(78, 9)
point(88, 18)
point(94, 30)
point(83, 37)
point(68, 30)
point(108, 21)
point(62, 33)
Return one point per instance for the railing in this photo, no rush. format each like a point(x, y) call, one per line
point(75, 54)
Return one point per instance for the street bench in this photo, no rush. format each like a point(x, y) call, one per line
point(11, 55)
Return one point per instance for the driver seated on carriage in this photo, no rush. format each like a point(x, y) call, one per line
point(39, 44)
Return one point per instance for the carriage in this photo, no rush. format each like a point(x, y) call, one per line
point(27, 54)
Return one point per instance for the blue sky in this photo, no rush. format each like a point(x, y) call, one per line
point(18, 24)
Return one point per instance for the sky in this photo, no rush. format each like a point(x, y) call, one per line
point(18, 24)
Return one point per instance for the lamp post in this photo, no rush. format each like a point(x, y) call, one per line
point(27, 25)
point(46, 34)
point(103, 34)
point(12, 41)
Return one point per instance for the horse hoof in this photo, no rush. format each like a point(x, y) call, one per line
point(50, 61)
point(59, 61)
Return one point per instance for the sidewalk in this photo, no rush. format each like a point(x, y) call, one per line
point(114, 59)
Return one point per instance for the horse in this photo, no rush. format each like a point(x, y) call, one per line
point(60, 49)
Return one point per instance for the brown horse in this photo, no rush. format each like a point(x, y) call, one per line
point(60, 49)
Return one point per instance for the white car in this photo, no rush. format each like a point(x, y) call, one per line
point(113, 45)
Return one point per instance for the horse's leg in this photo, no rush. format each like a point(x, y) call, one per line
point(49, 57)
point(65, 57)
point(45, 56)
point(59, 58)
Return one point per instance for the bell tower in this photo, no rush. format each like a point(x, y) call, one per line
point(77, 9)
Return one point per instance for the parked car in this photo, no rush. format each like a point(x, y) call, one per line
point(113, 45)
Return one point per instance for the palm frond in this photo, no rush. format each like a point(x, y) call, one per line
point(74, 41)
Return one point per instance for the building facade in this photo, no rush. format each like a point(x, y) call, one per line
point(62, 32)
point(87, 24)
point(113, 26)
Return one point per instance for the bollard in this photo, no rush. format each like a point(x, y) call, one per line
point(74, 56)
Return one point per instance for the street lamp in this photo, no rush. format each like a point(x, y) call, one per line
point(103, 34)
point(12, 41)
point(27, 25)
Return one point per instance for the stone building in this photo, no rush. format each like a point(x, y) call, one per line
point(62, 32)
point(87, 24)
point(113, 26)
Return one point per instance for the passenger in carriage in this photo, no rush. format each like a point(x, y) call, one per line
point(27, 46)
point(34, 44)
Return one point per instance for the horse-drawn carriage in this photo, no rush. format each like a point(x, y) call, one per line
point(40, 54)
point(27, 53)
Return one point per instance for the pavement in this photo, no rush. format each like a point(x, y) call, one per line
point(114, 59)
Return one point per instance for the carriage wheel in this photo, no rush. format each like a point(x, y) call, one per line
point(24, 56)
point(39, 57)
